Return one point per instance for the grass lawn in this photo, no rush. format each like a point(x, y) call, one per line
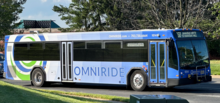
point(10, 93)
point(215, 67)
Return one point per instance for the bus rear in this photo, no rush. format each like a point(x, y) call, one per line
point(193, 61)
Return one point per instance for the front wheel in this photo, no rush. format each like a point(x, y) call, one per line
point(38, 78)
point(138, 80)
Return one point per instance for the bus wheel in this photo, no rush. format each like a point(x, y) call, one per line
point(38, 78)
point(138, 80)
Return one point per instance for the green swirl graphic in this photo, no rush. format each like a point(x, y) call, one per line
point(30, 38)
point(31, 64)
point(21, 76)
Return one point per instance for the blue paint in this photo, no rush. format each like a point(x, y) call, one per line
point(5, 61)
point(121, 72)
point(98, 71)
point(113, 72)
point(94, 72)
point(18, 38)
point(108, 71)
point(18, 64)
point(103, 72)
point(87, 70)
point(75, 71)
point(41, 37)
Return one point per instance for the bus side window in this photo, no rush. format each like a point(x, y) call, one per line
point(79, 51)
point(94, 52)
point(135, 51)
point(113, 51)
point(51, 51)
point(21, 51)
point(36, 51)
point(173, 62)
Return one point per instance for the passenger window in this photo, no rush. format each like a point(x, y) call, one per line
point(113, 51)
point(79, 45)
point(21, 51)
point(135, 51)
point(36, 51)
point(94, 52)
point(52, 51)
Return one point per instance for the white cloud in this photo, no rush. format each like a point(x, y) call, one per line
point(43, 1)
point(56, 0)
point(62, 1)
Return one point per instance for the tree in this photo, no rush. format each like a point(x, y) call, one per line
point(76, 15)
point(126, 14)
point(214, 25)
point(10, 10)
point(178, 13)
point(83, 15)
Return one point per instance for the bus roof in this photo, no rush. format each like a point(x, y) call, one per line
point(97, 35)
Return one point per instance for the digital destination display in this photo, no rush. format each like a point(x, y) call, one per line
point(188, 34)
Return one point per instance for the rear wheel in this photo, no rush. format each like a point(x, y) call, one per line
point(138, 80)
point(38, 78)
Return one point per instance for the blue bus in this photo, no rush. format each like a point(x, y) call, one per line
point(138, 59)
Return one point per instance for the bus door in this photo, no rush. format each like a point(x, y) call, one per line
point(157, 62)
point(67, 64)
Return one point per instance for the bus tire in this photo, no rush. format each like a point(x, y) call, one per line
point(38, 78)
point(138, 81)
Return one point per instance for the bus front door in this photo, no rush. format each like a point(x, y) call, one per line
point(157, 63)
point(66, 64)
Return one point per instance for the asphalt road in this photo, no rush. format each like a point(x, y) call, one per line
point(208, 92)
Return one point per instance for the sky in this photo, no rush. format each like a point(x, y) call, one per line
point(42, 10)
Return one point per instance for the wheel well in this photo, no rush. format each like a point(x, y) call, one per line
point(130, 73)
point(40, 69)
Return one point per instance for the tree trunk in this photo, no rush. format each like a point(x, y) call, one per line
point(181, 13)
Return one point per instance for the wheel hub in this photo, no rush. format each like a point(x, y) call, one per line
point(138, 80)
point(38, 78)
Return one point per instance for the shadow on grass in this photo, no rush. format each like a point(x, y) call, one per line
point(10, 94)
point(79, 98)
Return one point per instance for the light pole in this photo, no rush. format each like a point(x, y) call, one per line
point(50, 24)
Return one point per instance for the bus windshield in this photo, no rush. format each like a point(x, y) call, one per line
point(192, 53)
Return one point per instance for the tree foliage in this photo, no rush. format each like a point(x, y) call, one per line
point(83, 15)
point(10, 10)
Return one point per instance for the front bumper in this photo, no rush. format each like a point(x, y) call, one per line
point(185, 81)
